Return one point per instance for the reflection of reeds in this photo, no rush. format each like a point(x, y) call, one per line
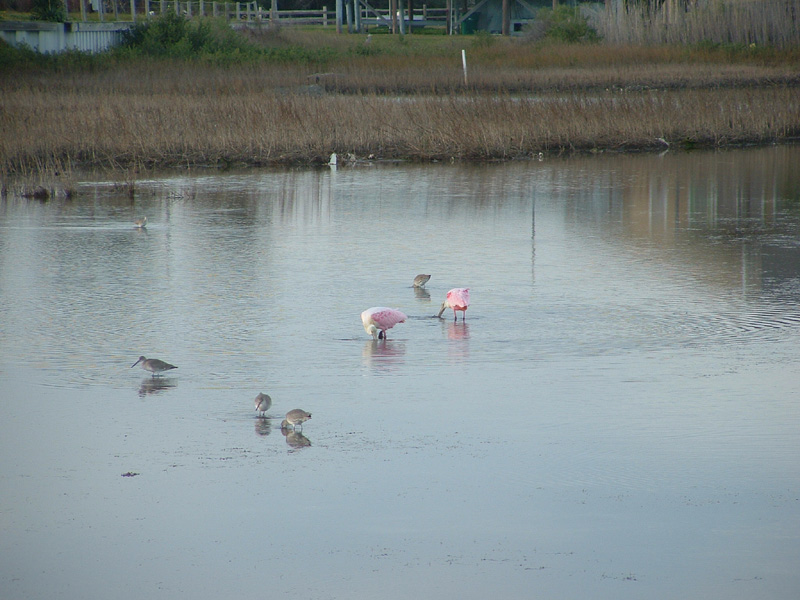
point(175, 114)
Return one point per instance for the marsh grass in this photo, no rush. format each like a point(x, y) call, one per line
point(43, 179)
point(773, 23)
point(403, 99)
point(254, 127)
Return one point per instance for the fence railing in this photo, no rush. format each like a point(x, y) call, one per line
point(250, 12)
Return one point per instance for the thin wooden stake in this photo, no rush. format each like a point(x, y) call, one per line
point(464, 62)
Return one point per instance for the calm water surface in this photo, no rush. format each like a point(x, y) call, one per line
point(618, 416)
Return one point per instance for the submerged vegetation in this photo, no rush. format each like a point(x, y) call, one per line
point(199, 93)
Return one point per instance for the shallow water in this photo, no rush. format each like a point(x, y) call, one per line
point(617, 417)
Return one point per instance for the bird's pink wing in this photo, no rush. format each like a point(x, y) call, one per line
point(386, 318)
point(458, 298)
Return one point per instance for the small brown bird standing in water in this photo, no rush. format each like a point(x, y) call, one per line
point(294, 418)
point(421, 280)
point(263, 403)
point(154, 365)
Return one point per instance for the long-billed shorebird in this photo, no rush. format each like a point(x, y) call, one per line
point(154, 365)
point(457, 299)
point(421, 280)
point(294, 418)
point(263, 403)
point(379, 319)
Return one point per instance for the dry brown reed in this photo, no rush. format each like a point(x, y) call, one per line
point(760, 22)
point(407, 100)
point(254, 127)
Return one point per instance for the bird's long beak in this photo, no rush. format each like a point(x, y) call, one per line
point(140, 360)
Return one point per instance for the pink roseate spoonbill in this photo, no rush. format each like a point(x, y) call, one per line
point(263, 403)
point(378, 319)
point(294, 418)
point(154, 365)
point(421, 280)
point(457, 299)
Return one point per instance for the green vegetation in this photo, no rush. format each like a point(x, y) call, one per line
point(566, 24)
point(49, 10)
point(175, 36)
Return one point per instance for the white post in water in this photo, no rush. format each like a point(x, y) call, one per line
point(464, 63)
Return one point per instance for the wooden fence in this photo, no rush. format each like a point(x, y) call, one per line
point(250, 12)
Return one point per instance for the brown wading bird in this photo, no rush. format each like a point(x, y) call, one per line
point(154, 365)
point(140, 223)
point(421, 280)
point(263, 403)
point(294, 418)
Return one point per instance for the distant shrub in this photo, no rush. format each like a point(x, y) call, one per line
point(564, 24)
point(25, 58)
point(483, 39)
point(49, 10)
point(175, 36)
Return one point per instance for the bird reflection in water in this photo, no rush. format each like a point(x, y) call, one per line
point(420, 293)
point(156, 385)
point(383, 355)
point(457, 331)
point(263, 426)
point(458, 340)
point(295, 439)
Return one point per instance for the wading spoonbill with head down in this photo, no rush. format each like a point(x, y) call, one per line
point(457, 299)
point(378, 319)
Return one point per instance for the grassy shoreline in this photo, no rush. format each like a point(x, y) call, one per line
point(396, 99)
